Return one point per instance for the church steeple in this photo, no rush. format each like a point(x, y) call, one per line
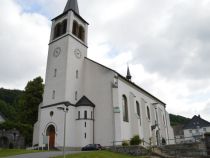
point(72, 5)
point(128, 77)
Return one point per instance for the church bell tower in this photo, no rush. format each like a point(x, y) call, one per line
point(67, 50)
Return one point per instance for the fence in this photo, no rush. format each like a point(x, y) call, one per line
point(189, 147)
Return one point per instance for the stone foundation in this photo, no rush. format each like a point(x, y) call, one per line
point(131, 150)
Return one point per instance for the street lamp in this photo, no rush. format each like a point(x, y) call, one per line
point(65, 110)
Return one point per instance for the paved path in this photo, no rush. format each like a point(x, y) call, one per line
point(42, 154)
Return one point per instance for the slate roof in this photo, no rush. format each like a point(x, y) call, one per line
point(72, 5)
point(196, 122)
point(84, 101)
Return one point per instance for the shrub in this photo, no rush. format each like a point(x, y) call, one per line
point(135, 140)
point(125, 143)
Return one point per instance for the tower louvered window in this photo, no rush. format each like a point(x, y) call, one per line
point(60, 29)
point(78, 31)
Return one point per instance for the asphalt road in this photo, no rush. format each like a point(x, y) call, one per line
point(43, 154)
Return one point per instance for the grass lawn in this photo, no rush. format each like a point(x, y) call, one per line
point(99, 154)
point(11, 152)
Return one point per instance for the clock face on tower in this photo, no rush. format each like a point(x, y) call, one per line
point(77, 53)
point(57, 52)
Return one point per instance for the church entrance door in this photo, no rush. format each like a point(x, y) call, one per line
point(51, 134)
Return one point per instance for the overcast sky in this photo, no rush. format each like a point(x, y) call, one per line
point(165, 42)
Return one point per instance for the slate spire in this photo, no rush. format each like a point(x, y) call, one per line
point(128, 77)
point(72, 5)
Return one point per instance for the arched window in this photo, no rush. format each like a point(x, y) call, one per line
point(53, 94)
point(60, 29)
point(91, 115)
point(77, 74)
point(55, 72)
point(57, 30)
point(75, 95)
point(75, 28)
point(64, 27)
point(81, 33)
point(125, 108)
point(164, 120)
point(78, 114)
point(85, 114)
point(148, 113)
point(138, 108)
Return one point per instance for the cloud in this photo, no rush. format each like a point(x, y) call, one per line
point(166, 44)
point(24, 38)
point(169, 48)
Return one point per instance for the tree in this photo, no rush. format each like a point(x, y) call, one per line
point(177, 119)
point(7, 110)
point(30, 100)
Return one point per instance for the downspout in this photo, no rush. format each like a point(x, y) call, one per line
point(93, 125)
point(113, 117)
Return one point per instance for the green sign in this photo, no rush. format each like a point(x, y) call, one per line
point(116, 109)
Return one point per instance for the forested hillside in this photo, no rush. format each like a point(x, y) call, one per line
point(177, 119)
point(20, 108)
point(8, 102)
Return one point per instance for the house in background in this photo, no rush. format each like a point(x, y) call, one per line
point(10, 138)
point(195, 129)
point(2, 118)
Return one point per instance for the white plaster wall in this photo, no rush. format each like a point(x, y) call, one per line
point(36, 128)
point(189, 136)
point(57, 121)
point(162, 122)
point(128, 129)
point(170, 130)
point(207, 129)
point(134, 117)
point(57, 83)
point(72, 83)
point(144, 128)
point(117, 117)
point(81, 129)
point(98, 88)
point(36, 133)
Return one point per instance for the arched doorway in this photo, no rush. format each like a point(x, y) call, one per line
point(51, 134)
point(163, 141)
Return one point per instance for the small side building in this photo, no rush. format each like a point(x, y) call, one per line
point(10, 138)
point(195, 129)
point(179, 134)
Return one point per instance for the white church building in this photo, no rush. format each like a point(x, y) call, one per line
point(91, 102)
